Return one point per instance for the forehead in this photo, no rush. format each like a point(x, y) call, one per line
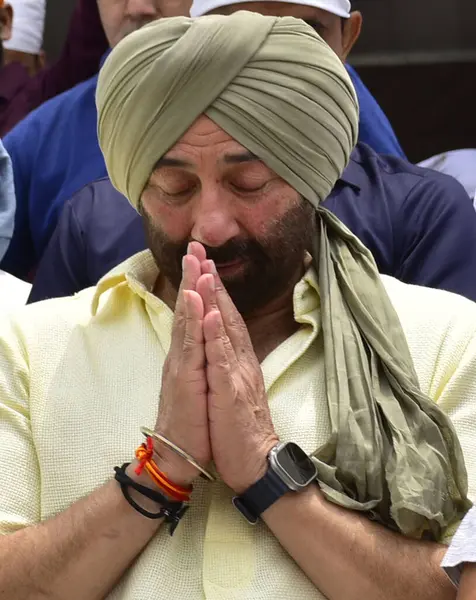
point(282, 9)
point(205, 135)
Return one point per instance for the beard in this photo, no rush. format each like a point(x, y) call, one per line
point(271, 263)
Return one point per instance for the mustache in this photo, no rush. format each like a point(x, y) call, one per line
point(232, 250)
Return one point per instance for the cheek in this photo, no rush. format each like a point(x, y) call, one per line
point(258, 219)
point(112, 17)
point(175, 222)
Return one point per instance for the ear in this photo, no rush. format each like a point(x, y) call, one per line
point(351, 32)
point(6, 18)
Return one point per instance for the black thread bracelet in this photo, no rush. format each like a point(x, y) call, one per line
point(171, 512)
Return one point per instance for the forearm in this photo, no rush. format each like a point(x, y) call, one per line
point(348, 557)
point(467, 589)
point(81, 553)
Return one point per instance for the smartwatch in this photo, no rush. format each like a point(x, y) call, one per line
point(290, 469)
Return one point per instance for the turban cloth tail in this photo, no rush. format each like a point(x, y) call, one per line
point(279, 90)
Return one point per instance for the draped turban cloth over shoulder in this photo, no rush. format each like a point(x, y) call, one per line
point(276, 87)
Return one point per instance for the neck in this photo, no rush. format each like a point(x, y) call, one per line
point(274, 323)
point(268, 327)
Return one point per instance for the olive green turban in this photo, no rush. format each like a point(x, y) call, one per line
point(278, 89)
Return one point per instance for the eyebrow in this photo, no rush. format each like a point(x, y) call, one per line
point(165, 161)
point(241, 157)
point(229, 159)
point(315, 24)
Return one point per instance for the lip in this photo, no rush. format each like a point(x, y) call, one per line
point(231, 268)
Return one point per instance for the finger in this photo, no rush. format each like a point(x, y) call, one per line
point(232, 320)
point(190, 274)
point(219, 354)
point(197, 250)
point(193, 350)
point(191, 271)
point(206, 289)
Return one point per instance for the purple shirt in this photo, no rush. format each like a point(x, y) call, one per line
point(82, 52)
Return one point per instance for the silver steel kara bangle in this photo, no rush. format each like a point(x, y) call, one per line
point(185, 455)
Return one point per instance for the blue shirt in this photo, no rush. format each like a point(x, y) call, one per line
point(419, 225)
point(7, 201)
point(55, 152)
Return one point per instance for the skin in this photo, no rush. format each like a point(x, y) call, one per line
point(340, 34)
point(467, 589)
point(121, 17)
point(212, 190)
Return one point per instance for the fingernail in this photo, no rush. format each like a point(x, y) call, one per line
point(183, 262)
point(189, 248)
point(213, 268)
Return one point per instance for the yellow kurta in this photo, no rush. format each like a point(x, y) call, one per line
point(79, 376)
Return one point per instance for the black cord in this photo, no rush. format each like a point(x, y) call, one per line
point(171, 512)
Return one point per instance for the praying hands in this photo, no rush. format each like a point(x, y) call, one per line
point(213, 401)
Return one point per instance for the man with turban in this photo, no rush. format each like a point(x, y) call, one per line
point(254, 344)
point(419, 225)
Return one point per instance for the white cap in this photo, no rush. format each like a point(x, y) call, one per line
point(28, 25)
point(341, 8)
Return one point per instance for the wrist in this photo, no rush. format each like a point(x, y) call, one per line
point(174, 467)
point(146, 481)
point(257, 469)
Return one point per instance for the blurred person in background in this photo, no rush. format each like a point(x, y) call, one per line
point(25, 83)
point(13, 292)
point(7, 201)
point(460, 164)
point(55, 151)
point(25, 45)
point(340, 28)
point(419, 225)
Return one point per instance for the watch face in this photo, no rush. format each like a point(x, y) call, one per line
point(296, 464)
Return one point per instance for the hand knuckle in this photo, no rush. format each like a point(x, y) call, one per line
point(189, 345)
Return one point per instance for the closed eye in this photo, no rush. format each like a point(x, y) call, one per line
point(242, 189)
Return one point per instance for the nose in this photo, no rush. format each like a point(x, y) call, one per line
point(214, 222)
point(140, 9)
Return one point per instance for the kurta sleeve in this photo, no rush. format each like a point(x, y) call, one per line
point(19, 471)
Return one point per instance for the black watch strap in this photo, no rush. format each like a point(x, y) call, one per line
point(260, 496)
